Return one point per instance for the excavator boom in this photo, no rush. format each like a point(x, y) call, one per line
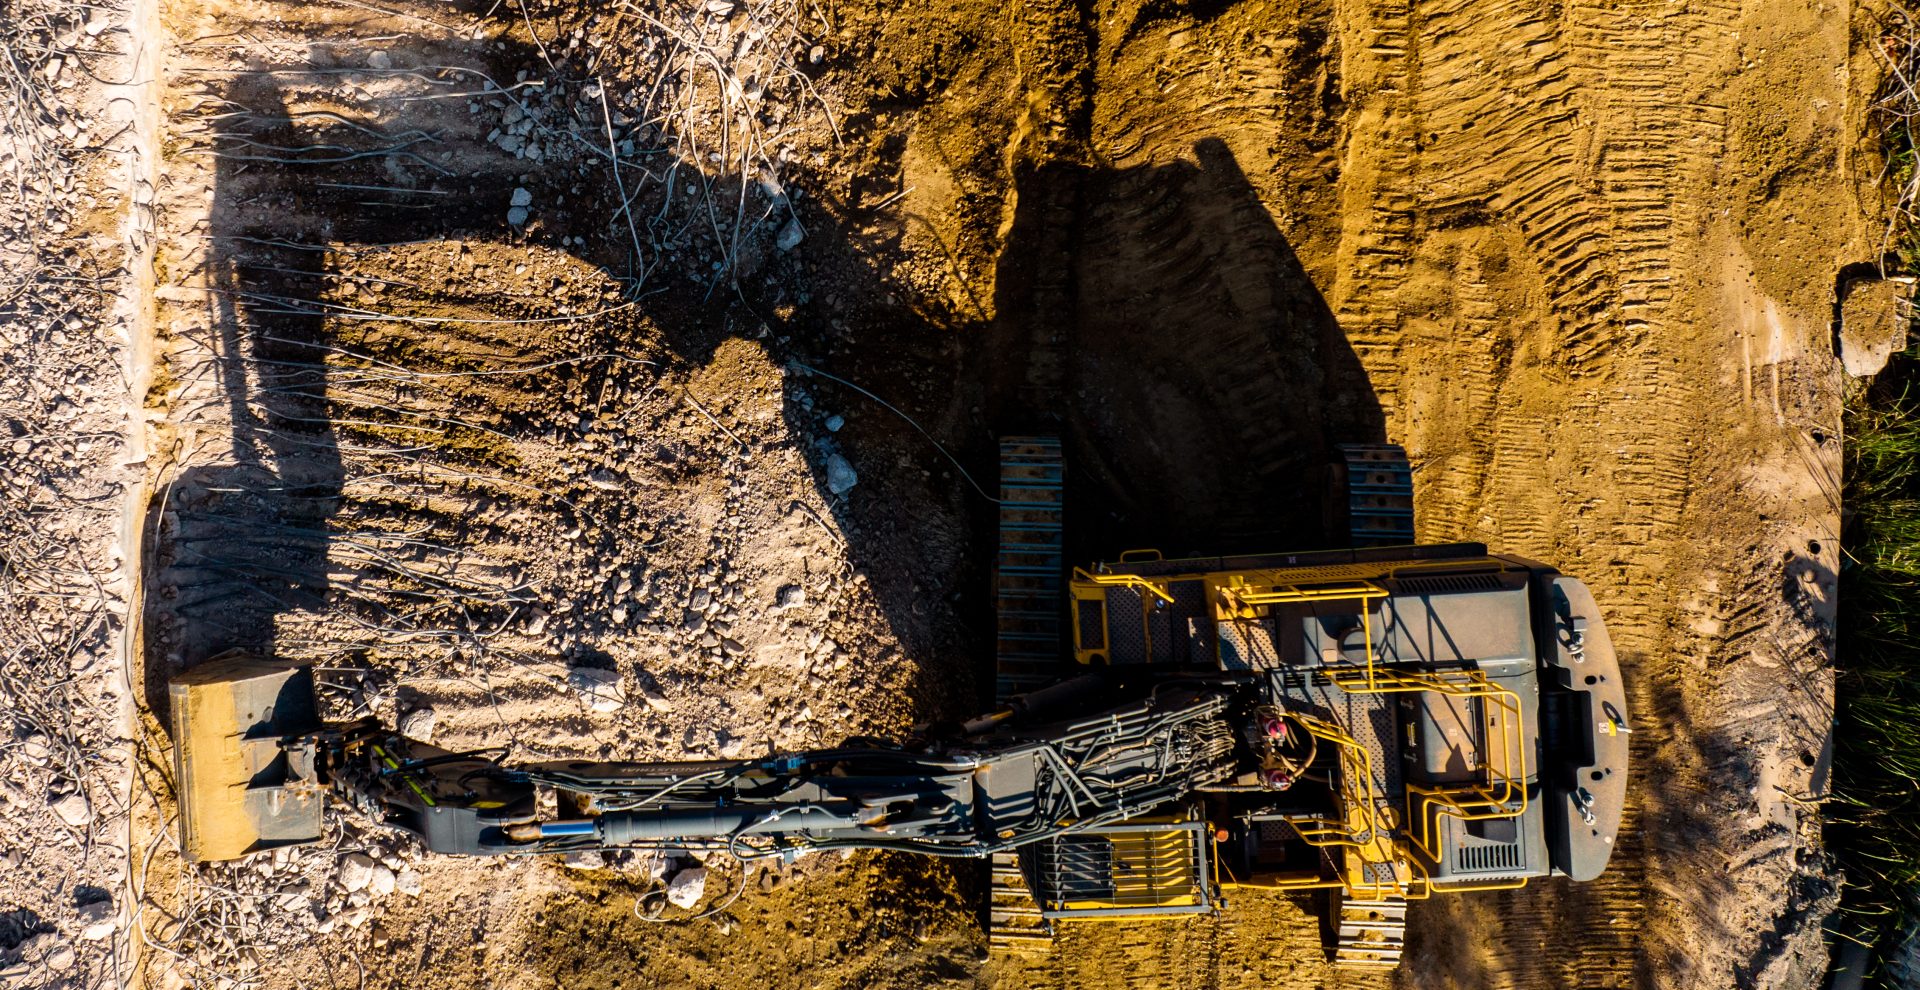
point(1050, 766)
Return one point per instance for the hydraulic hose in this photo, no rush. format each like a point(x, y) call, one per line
point(626, 828)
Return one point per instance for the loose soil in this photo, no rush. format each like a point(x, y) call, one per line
point(485, 353)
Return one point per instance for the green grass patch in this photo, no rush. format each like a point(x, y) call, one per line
point(1874, 822)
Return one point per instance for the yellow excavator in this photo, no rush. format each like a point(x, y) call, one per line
point(1382, 723)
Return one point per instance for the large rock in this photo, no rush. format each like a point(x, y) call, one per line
point(840, 475)
point(599, 688)
point(418, 724)
point(356, 872)
point(98, 919)
point(585, 859)
point(790, 236)
point(687, 887)
point(1873, 324)
point(73, 809)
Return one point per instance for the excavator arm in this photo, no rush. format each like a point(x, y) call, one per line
point(1048, 765)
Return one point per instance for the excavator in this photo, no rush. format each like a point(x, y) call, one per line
point(1371, 725)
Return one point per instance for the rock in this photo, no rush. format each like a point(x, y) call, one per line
point(589, 859)
point(694, 624)
point(790, 236)
point(73, 809)
point(356, 872)
point(418, 724)
point(379, 59)
point(35, 749)
point(408, 882)
point(1872, 324)
point(60, 959)
point(700, 599)
point(654, 699)
point(600, 689)
point(687, 887)
point(98, 920)
point(789, 596)
point(835, 422)
point(521, 197)
point(96, 24)
point(517, 216)
point(35, 948)
point(383, 881)
point(840, 475)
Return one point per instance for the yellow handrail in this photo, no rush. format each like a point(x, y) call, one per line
point(1502, 794)
point(1124, 580)
point(1505, 776)
point(1240, 601)
point(1363, 834)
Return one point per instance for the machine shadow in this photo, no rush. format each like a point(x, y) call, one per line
point(243, 539)
point(1198, 374)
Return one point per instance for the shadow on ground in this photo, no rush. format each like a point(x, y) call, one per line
point(1154, 316)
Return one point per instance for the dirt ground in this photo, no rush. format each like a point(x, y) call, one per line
point(563, 376)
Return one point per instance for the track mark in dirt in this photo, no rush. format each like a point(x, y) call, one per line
point(1558, 164)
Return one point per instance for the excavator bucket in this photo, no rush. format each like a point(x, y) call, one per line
point(239, 791)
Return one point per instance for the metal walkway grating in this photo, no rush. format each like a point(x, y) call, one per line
point(1130, 869)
